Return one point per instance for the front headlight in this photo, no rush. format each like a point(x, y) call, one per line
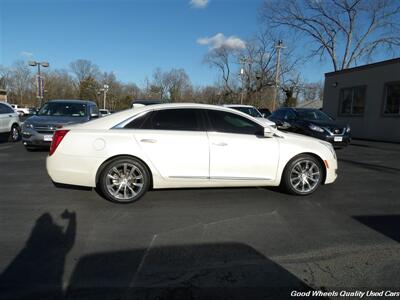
point(315, 128)
point(28, 125)
point(330, 147)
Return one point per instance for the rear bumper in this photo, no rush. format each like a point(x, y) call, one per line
point(73, 170)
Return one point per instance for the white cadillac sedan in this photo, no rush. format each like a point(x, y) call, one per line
point(186, 145)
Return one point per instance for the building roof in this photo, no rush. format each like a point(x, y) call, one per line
point(365, 67)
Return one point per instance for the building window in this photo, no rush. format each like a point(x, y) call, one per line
point(391, 104)
point(352, 100)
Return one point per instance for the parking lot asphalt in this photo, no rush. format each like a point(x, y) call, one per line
point(242, 243)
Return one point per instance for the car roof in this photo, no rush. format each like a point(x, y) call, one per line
point(119, 117)
point(237, 105)
point(148, 102)
point(6, 103)
point(71, 101)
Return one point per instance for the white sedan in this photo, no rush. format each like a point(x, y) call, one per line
point(186, 145)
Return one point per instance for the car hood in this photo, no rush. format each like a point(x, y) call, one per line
point(329, 124)
point(55, 120)
point(307, 141)
point(266, 121)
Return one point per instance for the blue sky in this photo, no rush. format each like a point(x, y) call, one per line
point(129, 37)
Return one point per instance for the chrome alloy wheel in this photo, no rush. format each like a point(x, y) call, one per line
point(14, 133)
point(124, 181)
point(305, 176)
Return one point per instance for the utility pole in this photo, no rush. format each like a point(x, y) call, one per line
point(279, 46)
point(104, 90)
point(243, 61)
point(242, 79)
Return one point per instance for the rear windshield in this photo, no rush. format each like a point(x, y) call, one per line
point(61, 109)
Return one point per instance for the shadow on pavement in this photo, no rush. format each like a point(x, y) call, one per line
point(37, 271)
point(195, 271)
point(373, 167)
point(388, 225)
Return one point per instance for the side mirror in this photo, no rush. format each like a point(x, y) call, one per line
point(263, 115)
point(268, 133)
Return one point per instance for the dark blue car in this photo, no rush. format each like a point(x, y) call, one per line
point(312, 122)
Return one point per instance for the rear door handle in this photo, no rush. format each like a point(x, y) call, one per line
point(151, 141)
point(221, 144)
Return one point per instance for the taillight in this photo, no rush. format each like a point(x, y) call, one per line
point(57, 138)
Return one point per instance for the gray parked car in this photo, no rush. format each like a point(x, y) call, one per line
point(37, 131)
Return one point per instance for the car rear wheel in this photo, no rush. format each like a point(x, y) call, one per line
point(302, 175)
point(15, 133)
point(124, 180)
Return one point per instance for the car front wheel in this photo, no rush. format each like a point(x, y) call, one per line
point(124, 180)
point(302, 175)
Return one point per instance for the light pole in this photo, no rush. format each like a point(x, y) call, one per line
point(40, 80)
point(104, 90)
point(279, 46)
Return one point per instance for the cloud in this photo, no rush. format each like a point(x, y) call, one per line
point(221, 41)
point(26, 54)
point(199, 3)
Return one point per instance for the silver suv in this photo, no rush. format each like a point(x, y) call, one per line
point(9, 122)
point(38, 130)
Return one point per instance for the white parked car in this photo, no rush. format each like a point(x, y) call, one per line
point(104, 112)
point(9, 122)
point(251, 111)
point(21, 110)
point(186, 145)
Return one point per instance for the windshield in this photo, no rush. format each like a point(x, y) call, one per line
point(63, 109)
point(313, 115)
point(249, 110)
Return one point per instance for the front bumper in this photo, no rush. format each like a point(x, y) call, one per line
point(339, 140)
point(32, 138)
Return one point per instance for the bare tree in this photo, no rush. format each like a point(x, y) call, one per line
point(59, 85)
point(347, 31)
point(159, 86)
point(223, 58)
point(177, 83)
point(83, 68)
point(20, 83)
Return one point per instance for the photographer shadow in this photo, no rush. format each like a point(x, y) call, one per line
point(37, 271)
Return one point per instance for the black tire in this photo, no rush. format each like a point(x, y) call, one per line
point(140, 176)
point(15, 134)
point(289, 176)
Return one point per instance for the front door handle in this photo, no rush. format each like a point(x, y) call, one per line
point(151, 141)
point(221, 144)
